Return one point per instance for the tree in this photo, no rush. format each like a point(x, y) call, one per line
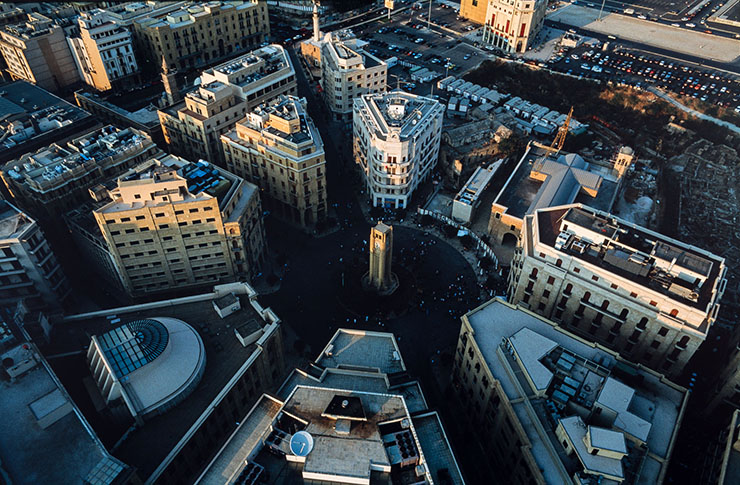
point(449, 231)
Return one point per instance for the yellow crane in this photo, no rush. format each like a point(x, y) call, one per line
point(557, 142)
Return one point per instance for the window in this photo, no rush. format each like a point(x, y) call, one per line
point(642, 323)
point(655, 344)
point(683, 342)
point(550, 280)
point(576, 270)
point(546, 294)
point(568, 289)
point(586, 296)
point(595, 278)
point(614, 286)
point(674, 312)
point(140, 218)
point(125, 219)
point(624, 313)
point(633, 294)
point(653, 303)
point(663, 331)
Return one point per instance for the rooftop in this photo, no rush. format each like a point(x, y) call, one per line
point(682, 272)
point(191, 11)
point(37, 25)
point(552, 377)
point(13, 221)
point(148, 445)
point(55, 165)
point(476, 184)
point(284, 120)
point(28, 111)
point(537, 183)
point(41, 425)
point(356, 410)
point(397, 114)
point(245, 71)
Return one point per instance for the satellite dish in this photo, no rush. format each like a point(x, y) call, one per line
point(301, 443)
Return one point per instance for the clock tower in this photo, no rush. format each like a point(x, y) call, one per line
point(380, 276)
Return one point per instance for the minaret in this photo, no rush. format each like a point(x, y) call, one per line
point(316, 31)
point(169, 80)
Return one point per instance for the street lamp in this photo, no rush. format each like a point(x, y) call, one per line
point(602, 9)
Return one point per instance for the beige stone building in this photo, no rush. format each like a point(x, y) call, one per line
point(29, 270)
point(198, 34)
point(103, 52)
point(227, 92)
point(37, 51)
point(278, 147)
point(509, 25)
point(56, 179)
point(396, 138)
point(552, 408)
point(348, 72)
point(649, 297)
point(172, 224)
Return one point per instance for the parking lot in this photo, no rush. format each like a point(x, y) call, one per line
point(641, 69)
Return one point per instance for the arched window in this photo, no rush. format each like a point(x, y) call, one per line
point(586, 296)
point(533, 274)
point(684, 341)
point(605, 304)
point(624, 313)
point(642, 323)
point(559, 262)
point(674, 312)
point(568, 289)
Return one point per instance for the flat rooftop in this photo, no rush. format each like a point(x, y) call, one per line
point(398, 112)
point(248, 69)
point(550, 375)
point(522, 194)
point(362, 350)
point(55, 164)
point(147, 446)
point(476, 184)
point(12, 221)
point(67, 450)
point(682, 272)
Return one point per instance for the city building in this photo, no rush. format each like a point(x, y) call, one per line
point(37, 51)
point(396, 143)
point(31, 118)
point(11, 14)
point(244, 357)
point(196, 35)
point(144, 119)
point(104, 52)
point(226, 93)
point(551, 407)
point(508, 25)
point(29, 270)
point(170, 224)
point(44, 437)
point(544, 179)
point(726, 390)
point(649, 297)
point(56, 179)
point(277, 147)
point(151, 365)
point(730, 464)
point(467, 199)
point(352, 416)
point(347, 73)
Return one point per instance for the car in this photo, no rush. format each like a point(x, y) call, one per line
point(690, 24)
point(641, 17)
point(675, 25)
point(574, 56)
point(597, 69)
point(466, 57)
point(585, 66)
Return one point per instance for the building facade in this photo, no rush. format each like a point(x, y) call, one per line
point(197, 34)
point(37, 51)
point(348, 72)
point(171, 224)
point(551, 407)
point(509, 25)
point(396, 140)
point(278, 147)
point(227, 92)
point(28, 268)
point(649, 297)
point(56, 179)
point(104, 51)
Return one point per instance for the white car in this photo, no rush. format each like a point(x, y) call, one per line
point(692, 25)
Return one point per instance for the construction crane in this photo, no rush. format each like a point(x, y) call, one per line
point(557, 142)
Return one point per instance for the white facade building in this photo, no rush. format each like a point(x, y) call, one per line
point(396, 142)
point(104, 52)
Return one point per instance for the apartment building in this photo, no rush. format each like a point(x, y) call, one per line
point(278, 147)
point(726, 385)
point(56, 179)
point(28, 268)
point(649, 297)
point(226, 93)
point(104, 51)
point(509, 25)
point(369, 418)
point(396, 141)
point(37, 51)
point(550, 407)
point(348, 72)
point(171, 224)
point(199, 34)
